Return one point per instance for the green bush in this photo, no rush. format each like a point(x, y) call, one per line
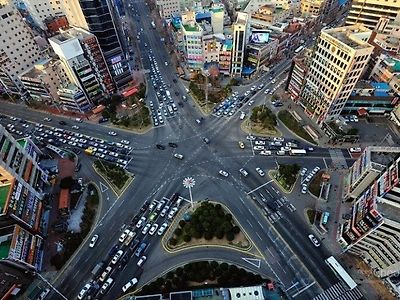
point(173, 241)
point(291, 123)
point(187, 238)
point(178, 232)
point(288, 173)
point(230, 236)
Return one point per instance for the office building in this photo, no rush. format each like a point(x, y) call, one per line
point(100, 21)
point(385, 68)
point(374, 14)
point(74, 99)
point(192, 40)
point(337, 62)
point(212, 44)
point(167, 8)
point(239, 38)
point(371, 231)
point(18, 52)
point(296, 77)
point(259, 55)
point(69, 49)
point(43, 80)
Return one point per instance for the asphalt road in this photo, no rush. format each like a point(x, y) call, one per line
point(287, 254)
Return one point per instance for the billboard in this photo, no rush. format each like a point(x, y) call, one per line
point(259, 37)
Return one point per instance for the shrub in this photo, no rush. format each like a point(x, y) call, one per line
point(208, 236)
point(173, 241)
point(187, 238)
point(236, 229)
point(182, 223)
point(230, 236)
point(220, 234)
point(178, 232)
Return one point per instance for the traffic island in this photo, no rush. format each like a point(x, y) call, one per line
point(201, 274)
point(261, 122)
point(210, 224)
point(118, 178)
point(294, 126)
point(285, 177)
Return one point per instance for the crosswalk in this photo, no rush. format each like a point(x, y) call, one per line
point(338, 159)
point(339, 292)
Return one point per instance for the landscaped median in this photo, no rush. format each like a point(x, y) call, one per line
point(261, 122)
point(116, 177)
point(293, 125)
point(210, 224)
point(285, 176)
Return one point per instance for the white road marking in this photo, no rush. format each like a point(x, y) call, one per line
point(257, 188)
point(253, 261)
point(270, 252)
point(250, 223)
point(259, 236)
point(103, 187)
point(326, 165)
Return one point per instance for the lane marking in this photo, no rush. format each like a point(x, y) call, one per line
point(251, 225)
point(257, 188)
point(259, 236)
point(103, 187)
point(253, 261)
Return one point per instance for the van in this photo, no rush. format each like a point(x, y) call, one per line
point(280, 152)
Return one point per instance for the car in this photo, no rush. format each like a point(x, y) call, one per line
point(251, 138)
point(303, 171)
point(106, 285)
point(241, 145)
point(141, 261)
point(106, 272)
point(125, 142)
point(160, 205)
point(129, 284)
point(162, 228)
point(258, 148)
point(279, 139)
point(178, 156)
point(153, 229)
point(172, 212)
point(262, 143)
point(62, 123)
point(93, 241)
point(47, 119)
point(146, 228)
point(83, 291)
point(152, 205)
point(124, 235)
point(314, 240)
point(260, 172)
point(243, 172)
point(242, 115)
point(304, 189)
point(355, 150)
point(103, 120)
point(223, 173)
point(75, 127)
point(160, 147)
point(140, 249)
point(173, 145)
point(310, 149)
point(266, 152)
point(206, 140)
point(141, 221)
point(164, 211)
point(112, 133)
point(117, 256)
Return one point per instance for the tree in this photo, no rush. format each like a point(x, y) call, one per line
point(230, 236)
point(178, 232)
point(187, 238)
point(67, 182)
point(173, 241)
point(219, 234)
point(182, 223)
point(208, 236)
point(236, 229)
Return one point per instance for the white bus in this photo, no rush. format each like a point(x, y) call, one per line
point(297, 152)
point(299, 49)
point(340, 272)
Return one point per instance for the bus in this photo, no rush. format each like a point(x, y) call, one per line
point(297, 152)
point(299, 49)
point(340, 272)
point(325, 217)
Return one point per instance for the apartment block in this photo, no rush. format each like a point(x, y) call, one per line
point(167, 8)
point(192, 39)
point(79, 69)
point(102, 23)
point(261, 54)
point(19, 51)
point(254, 5)
point(239, 38)
point(217, 18)
point(211, 48)
point(385, 68)
point(225, 56)
point(337, 62)
point(296, 77)
point(74, 99)
point(372, 229)
point(43, 80)
point(312, 7)
point(374, 14)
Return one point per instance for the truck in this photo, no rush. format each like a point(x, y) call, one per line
point(153, 25)
point(297, 152)
point(97, 268)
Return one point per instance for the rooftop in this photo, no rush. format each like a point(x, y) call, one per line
point(389, 211)
point(37, 69)
point(354, 36)
point(191, 27)
point(383, 155)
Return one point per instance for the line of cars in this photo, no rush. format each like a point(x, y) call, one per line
point(306, 177)
point(242, 171)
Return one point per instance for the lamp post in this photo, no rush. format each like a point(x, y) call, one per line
point(188, 183)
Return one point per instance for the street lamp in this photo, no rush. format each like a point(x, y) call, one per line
point(188, 183)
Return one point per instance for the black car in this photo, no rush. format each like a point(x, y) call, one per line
point(103, 120)
point(161, 147)
point(173, 145)
point(62, 123)
point(206, 140)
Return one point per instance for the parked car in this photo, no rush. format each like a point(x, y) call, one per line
point(223, 173)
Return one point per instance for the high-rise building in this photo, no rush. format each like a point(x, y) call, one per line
point(375, 14)
point(372, 230)
point(296, 77)
point(337, 62)
point(73, 11)
point(101, 22)
point(225, 57)
point(167, 8)
point(239, 36)
point(69, 49)
point(18, 51)
point(72, 98)
point(192, 40)
point(217, 18)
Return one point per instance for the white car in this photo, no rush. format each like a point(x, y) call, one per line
point(112, 133)
point(259, 143)
point(258, 148)
point(266, 91)
point(266, 152)
point(223, 173)
point(279, 139)
point(124, 235)
point(260, 172)
point(303, 171)
point(242, 115)
point(125, 142)
point(83, 291)
point(164, 211)
point(243, 172)
point(304, 189)
point(153, 229)
point(172, 212)
point(355, 150)
point(314, 240)
point(140, 222)
point(141, 261)
point(75, 127)
point(162, 228)
point(129, 284)
point(117, 256)
point(106, 285)
point(93, 241)
point(178, 156)
point(146, 228)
